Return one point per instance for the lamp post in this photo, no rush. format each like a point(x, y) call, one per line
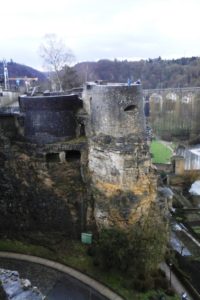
point(170, 274)
point(182, 247)
point(184, 296)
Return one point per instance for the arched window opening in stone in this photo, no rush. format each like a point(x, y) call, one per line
point(72, 155)
point(131, 107)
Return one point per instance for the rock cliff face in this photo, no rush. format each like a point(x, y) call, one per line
point(15, 288)
point(119, 162)
point(101, 179)
point(42, 188)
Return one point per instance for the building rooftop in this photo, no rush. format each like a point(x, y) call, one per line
point(195, 151)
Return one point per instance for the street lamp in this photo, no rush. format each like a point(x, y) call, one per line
point(182, 248)
point(170, 274)
point(184, 296)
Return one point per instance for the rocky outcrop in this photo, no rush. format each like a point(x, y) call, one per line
point(42, 189)
point(119, 163)
point(103, 178)
point(16, 288)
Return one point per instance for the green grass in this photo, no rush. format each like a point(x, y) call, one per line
point(74, 254)
point(161, 153)
point(29, 249)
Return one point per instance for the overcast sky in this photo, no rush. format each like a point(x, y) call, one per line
point(96, 29)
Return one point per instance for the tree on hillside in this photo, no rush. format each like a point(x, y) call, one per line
point(154, 73)
point(56, 57)
point(69, 77)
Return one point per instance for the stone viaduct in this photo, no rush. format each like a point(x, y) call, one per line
point(173, 111)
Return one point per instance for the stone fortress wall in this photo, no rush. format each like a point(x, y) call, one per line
point(71, 164)
point(118, 156)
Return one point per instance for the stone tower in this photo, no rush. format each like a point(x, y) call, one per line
point(119, 163)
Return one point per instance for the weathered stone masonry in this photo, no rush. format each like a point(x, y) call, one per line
point(53, 178)
point(119, 161)
point(43, 166)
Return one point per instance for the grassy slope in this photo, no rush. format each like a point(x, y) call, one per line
point(74, 254)
point(161, 153)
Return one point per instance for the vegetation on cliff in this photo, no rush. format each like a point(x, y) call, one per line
point(125, 260)
point(136, 251)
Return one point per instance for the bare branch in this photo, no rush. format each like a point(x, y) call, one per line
point(55, 55)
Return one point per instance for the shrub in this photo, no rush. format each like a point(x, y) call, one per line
point(170, 292)
point(111, 249)
point(160, 283)
point(143, 285)
point(138, 250)
point(91, 250)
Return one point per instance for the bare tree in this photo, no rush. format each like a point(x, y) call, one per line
point(56, 56)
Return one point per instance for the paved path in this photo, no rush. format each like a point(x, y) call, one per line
point(176, 284)
point(103, 290)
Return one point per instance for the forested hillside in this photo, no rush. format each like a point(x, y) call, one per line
point(18, 70)
point(154, 73)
